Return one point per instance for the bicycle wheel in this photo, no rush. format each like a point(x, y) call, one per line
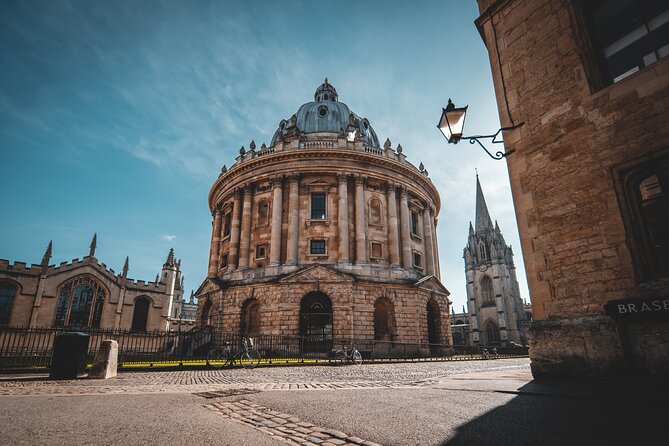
point(357, 357)
point(340, 357)
point(217, 358)
point(250, 359)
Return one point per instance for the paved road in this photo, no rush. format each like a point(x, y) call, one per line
point(474, 402)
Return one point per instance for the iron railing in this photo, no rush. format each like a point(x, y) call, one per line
point(27, 348)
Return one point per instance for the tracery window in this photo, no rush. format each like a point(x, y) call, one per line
point(487, 293)
point(491, 333)
point(7, 295)
point(80, 303)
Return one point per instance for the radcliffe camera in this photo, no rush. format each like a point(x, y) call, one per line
point(236, 223)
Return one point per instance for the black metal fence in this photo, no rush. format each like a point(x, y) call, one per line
point(31, 348)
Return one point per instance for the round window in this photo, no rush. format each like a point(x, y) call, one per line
point(322, 111)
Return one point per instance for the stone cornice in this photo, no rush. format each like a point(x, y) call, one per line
point(238, 170)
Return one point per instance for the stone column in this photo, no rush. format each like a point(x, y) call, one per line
point(275, 235)
point(360, 222)
point(343, 219)
point(293, 219)
point(427, 241)
point(233, 253)
point(393, 234)
point(405, 229)
point(245, 236)
point(435, 244)
point(215, 244)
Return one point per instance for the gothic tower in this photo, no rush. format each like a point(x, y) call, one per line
point(495, 308)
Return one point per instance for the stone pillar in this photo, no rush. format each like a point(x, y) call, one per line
point(435, 244)
point(393, 234)
point(344, 256)
point(245, 236)
point(360, 222)
point(427, 241)
point(233, 253)
point(405, 229)
point(275, 235)
point(215, 244)
point(293, 219)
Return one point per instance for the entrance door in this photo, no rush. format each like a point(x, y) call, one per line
point(316, 323)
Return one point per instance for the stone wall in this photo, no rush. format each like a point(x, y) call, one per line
point(563, 171)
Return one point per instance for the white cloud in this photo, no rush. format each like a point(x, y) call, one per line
point(168, 237)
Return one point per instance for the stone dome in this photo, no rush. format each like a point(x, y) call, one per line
point(327, 115)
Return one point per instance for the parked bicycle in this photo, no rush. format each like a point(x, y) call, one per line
point(248, 357)
point(344, 355)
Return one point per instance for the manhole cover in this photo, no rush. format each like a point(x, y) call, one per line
point(222, 393)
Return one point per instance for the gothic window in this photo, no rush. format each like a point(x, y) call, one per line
point(80, 303)
point(250, 318)
point(483, 252)
point(318, 206)
point(491, 331)
point(263, 213)
point(384, 320)
point(627, 35)
point(140, 314)
point(645, 191)
point(487, 293)
point(375, 212)
point(7, 295)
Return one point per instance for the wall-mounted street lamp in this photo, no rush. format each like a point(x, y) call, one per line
point(452, 123)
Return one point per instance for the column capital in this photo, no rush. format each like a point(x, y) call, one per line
point(277, 182)
point(359, 180)
point(403, 191)
point(391, 187)
point(248, 188)
point(342, 177)
point(295, 178)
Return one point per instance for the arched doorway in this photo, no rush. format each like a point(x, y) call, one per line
point(250, 318)
point(140, 314)
point(491, 331)
point(205, 317)
point(316, 322)
point(384, 320)
point(433, 326)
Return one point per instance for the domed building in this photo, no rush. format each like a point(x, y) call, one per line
point(326, 234)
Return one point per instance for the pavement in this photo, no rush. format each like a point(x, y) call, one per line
point(492, 402)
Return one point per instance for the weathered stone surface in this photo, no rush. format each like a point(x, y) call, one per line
point(106, 361)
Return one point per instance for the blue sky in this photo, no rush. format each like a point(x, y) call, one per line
point(116, 117)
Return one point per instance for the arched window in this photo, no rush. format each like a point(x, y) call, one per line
point(433, 326)
point(487, 293)
point(483, 252)
point(263, 213)
point(491, 333)
point(316, 322)
point(375, 212)
point(80, 303)
point(205, 317)
point(250, 318)
point(140, 314)
point(7, 294)
point(384, 320)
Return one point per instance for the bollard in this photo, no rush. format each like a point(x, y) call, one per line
point(106, 361)
point(69, 355)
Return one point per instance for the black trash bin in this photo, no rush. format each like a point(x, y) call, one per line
point(69, 355)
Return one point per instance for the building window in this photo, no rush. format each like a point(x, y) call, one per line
point(375, 212)
point(318, 206)
point(414, 224)
point(376, 250)
point(227, 221)
point(224, 261)
point(7, 294)
point(261, 251)
point(417, 260)
point(487, 294)
point(263, 213)
point(627, 35)
point(80, 303)
point(491, 333)
point(646, 195)
point(317, 247)
point(140, 314)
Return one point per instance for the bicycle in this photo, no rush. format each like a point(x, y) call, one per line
point(248, 357)
point(343, 355)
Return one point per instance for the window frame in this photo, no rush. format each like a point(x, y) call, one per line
point(325, 247)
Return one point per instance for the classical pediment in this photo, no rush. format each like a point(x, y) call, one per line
point(207, 286)
point(433, 284)
point(317, 273)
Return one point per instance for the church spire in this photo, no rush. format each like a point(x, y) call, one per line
point(47, 255)
point(126, 266)
point(483, 220)
point(170, 262)
point(94, 244)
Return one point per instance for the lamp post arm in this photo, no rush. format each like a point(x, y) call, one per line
point(499, 154)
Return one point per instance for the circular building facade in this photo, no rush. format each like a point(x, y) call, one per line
point(326, 234)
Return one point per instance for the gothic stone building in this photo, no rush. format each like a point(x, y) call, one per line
point(85, 293)
point(589, 174)
point(496, 313)
point(326, 234)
